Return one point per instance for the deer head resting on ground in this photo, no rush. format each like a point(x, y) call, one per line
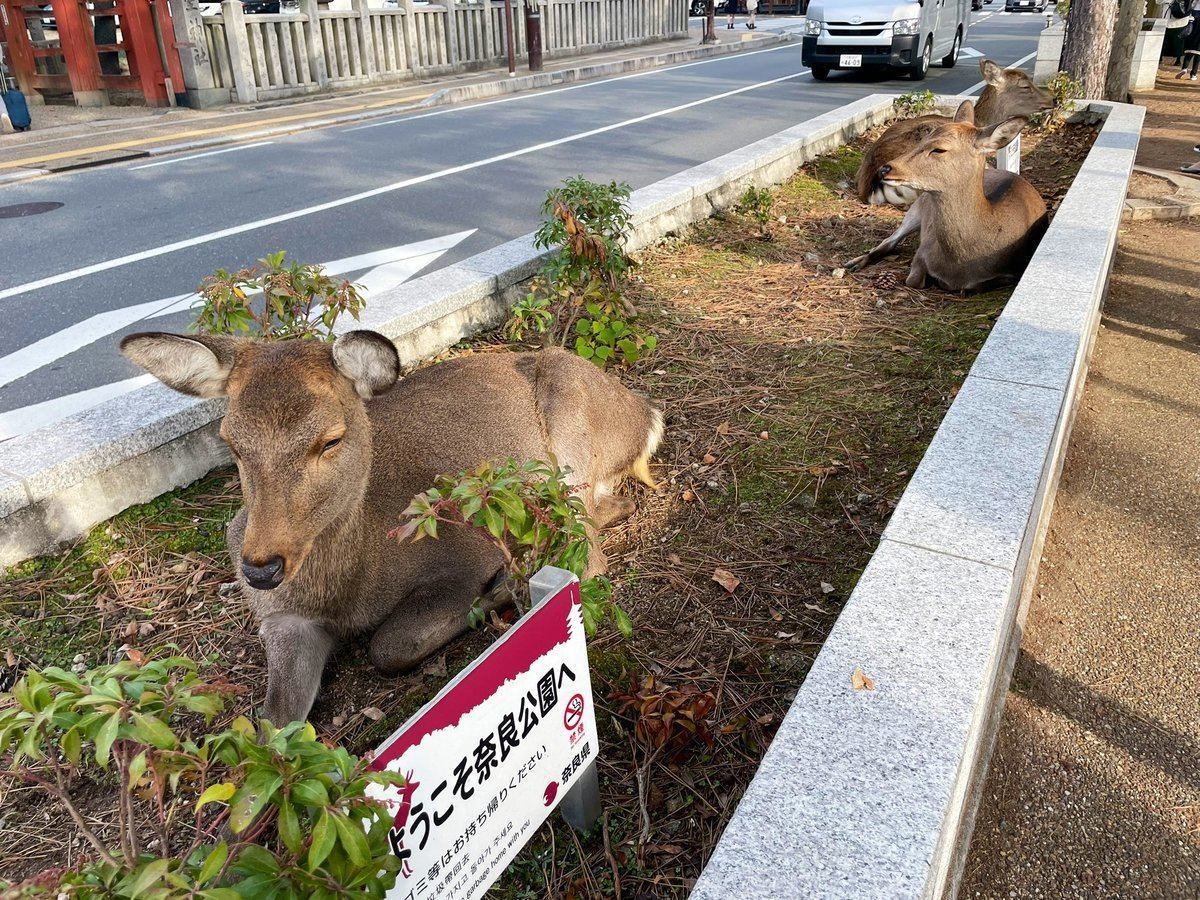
point(331, 446)
point(975, 233)
point(1008, 93)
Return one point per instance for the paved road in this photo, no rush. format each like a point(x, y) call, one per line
point(131, 241)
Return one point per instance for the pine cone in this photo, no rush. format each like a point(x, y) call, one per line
point(886, 281)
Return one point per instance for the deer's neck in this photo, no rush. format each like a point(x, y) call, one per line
point(960, 218)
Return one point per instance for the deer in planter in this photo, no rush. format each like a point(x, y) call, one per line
point(331, 445)
point(976, 233)
point(1008, 93)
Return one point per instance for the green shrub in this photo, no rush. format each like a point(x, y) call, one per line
point(266, 812)
point(275, 300)
point(577, 299)
point(914, 103)
point(531, 513)
point(1065, 90)
point(757, 203)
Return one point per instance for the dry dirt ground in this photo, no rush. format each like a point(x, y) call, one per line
point(799, 399)
point(1172, 125)
point(1094, 788)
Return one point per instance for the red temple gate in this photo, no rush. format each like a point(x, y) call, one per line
point(90, 47)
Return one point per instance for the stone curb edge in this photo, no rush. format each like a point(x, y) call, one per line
point(873, 793)
point(57, 482)
point(466, 93)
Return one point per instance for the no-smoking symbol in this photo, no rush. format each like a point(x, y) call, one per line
point(573, 714)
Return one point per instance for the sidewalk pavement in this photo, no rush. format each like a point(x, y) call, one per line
point(1094, 787)
point(66, 137)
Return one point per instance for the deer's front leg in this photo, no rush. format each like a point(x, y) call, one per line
point(917, 273)
point(297, 649)
point(888, 246)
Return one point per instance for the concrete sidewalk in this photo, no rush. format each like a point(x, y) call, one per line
point(76, 137)
point(1094, 787)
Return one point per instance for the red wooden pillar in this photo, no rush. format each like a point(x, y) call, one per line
point(141, 46)
point(18, 50)
point(79, 48)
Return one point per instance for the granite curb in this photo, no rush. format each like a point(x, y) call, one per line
point(1184, 204)
point(466, 93)
point(57, 482)
point(872, 793)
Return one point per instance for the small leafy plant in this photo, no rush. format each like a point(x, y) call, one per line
point(275, 300)
point(757, 203)
point(914, 103)
point(577, 299)
point(668, 718)
point(1064, 90)
point(530, 512)
point(273, 812)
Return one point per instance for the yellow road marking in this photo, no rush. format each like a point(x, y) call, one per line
point(179, 135)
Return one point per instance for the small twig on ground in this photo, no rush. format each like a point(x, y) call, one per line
point(608, 854)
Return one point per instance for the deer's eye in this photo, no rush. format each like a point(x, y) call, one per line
point(936, 150)
point(331, 445)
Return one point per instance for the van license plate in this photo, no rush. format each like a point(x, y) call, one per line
point(851, 60)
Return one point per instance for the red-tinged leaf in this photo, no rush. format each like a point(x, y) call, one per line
point(726, 579)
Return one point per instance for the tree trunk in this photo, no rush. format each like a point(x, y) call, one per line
point(1129, 23)
point(1088, 44)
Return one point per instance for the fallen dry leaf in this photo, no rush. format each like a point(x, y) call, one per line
point(137, 657)
point(861, 680)
point(709, 459)
point(374, 713)
point(826, 587)
point(673, 559)
point(723, 428)
point(688, 496)
point(726, 579)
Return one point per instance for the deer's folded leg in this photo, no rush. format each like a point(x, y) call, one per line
point(910, 225)
point(297, 649)
point(425, 622)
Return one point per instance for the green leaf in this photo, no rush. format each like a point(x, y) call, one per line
point(310, 793)
point(250, 799)
point(354, 839)
point(154, 731)
point(105, 738)
point(137, 767)
point(150, 876)
point(213, 863)
point(71, 744)
point(216, 793)
point(323, 838)
point(624, 623)
point(289, 827)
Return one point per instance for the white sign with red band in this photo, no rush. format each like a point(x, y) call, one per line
point(489, 758)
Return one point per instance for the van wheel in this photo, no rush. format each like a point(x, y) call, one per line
point(820, 72)
point(921, 67)
point(949, 61)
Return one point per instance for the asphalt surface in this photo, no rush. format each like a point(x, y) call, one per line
point(1094, 787)
point(139, 236)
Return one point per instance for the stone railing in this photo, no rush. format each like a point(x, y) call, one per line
point(249, 58)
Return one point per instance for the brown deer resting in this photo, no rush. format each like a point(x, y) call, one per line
point(330, 454)
point(976, 232)
point(1008, 93)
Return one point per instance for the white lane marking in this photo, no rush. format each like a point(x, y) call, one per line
point(572, 87)
point(179, 159)
point(38, 415)
point(105, 266)
point(970, 53)
point(387, 267)
point(1012, 65)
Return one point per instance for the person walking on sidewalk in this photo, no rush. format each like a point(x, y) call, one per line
point(1191, 43)
point(752, 8)
point(1177, 19)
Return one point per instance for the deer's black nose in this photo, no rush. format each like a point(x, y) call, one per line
point(884, 170)
point(266, 576)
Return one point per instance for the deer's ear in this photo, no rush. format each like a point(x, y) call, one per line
point(989, 139)
point(369, 360)
point(965, 112)
point(992, 73)
point(192, 364)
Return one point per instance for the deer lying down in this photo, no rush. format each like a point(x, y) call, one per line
point(976, 232)
point(1008, 93)
point(331, 449)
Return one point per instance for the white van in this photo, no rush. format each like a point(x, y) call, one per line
point(856, 34)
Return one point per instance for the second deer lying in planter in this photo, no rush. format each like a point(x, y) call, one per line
point(974, 236)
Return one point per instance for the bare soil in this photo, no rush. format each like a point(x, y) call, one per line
point(1172, 125)
point(799, 400)
point(1149, 187)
